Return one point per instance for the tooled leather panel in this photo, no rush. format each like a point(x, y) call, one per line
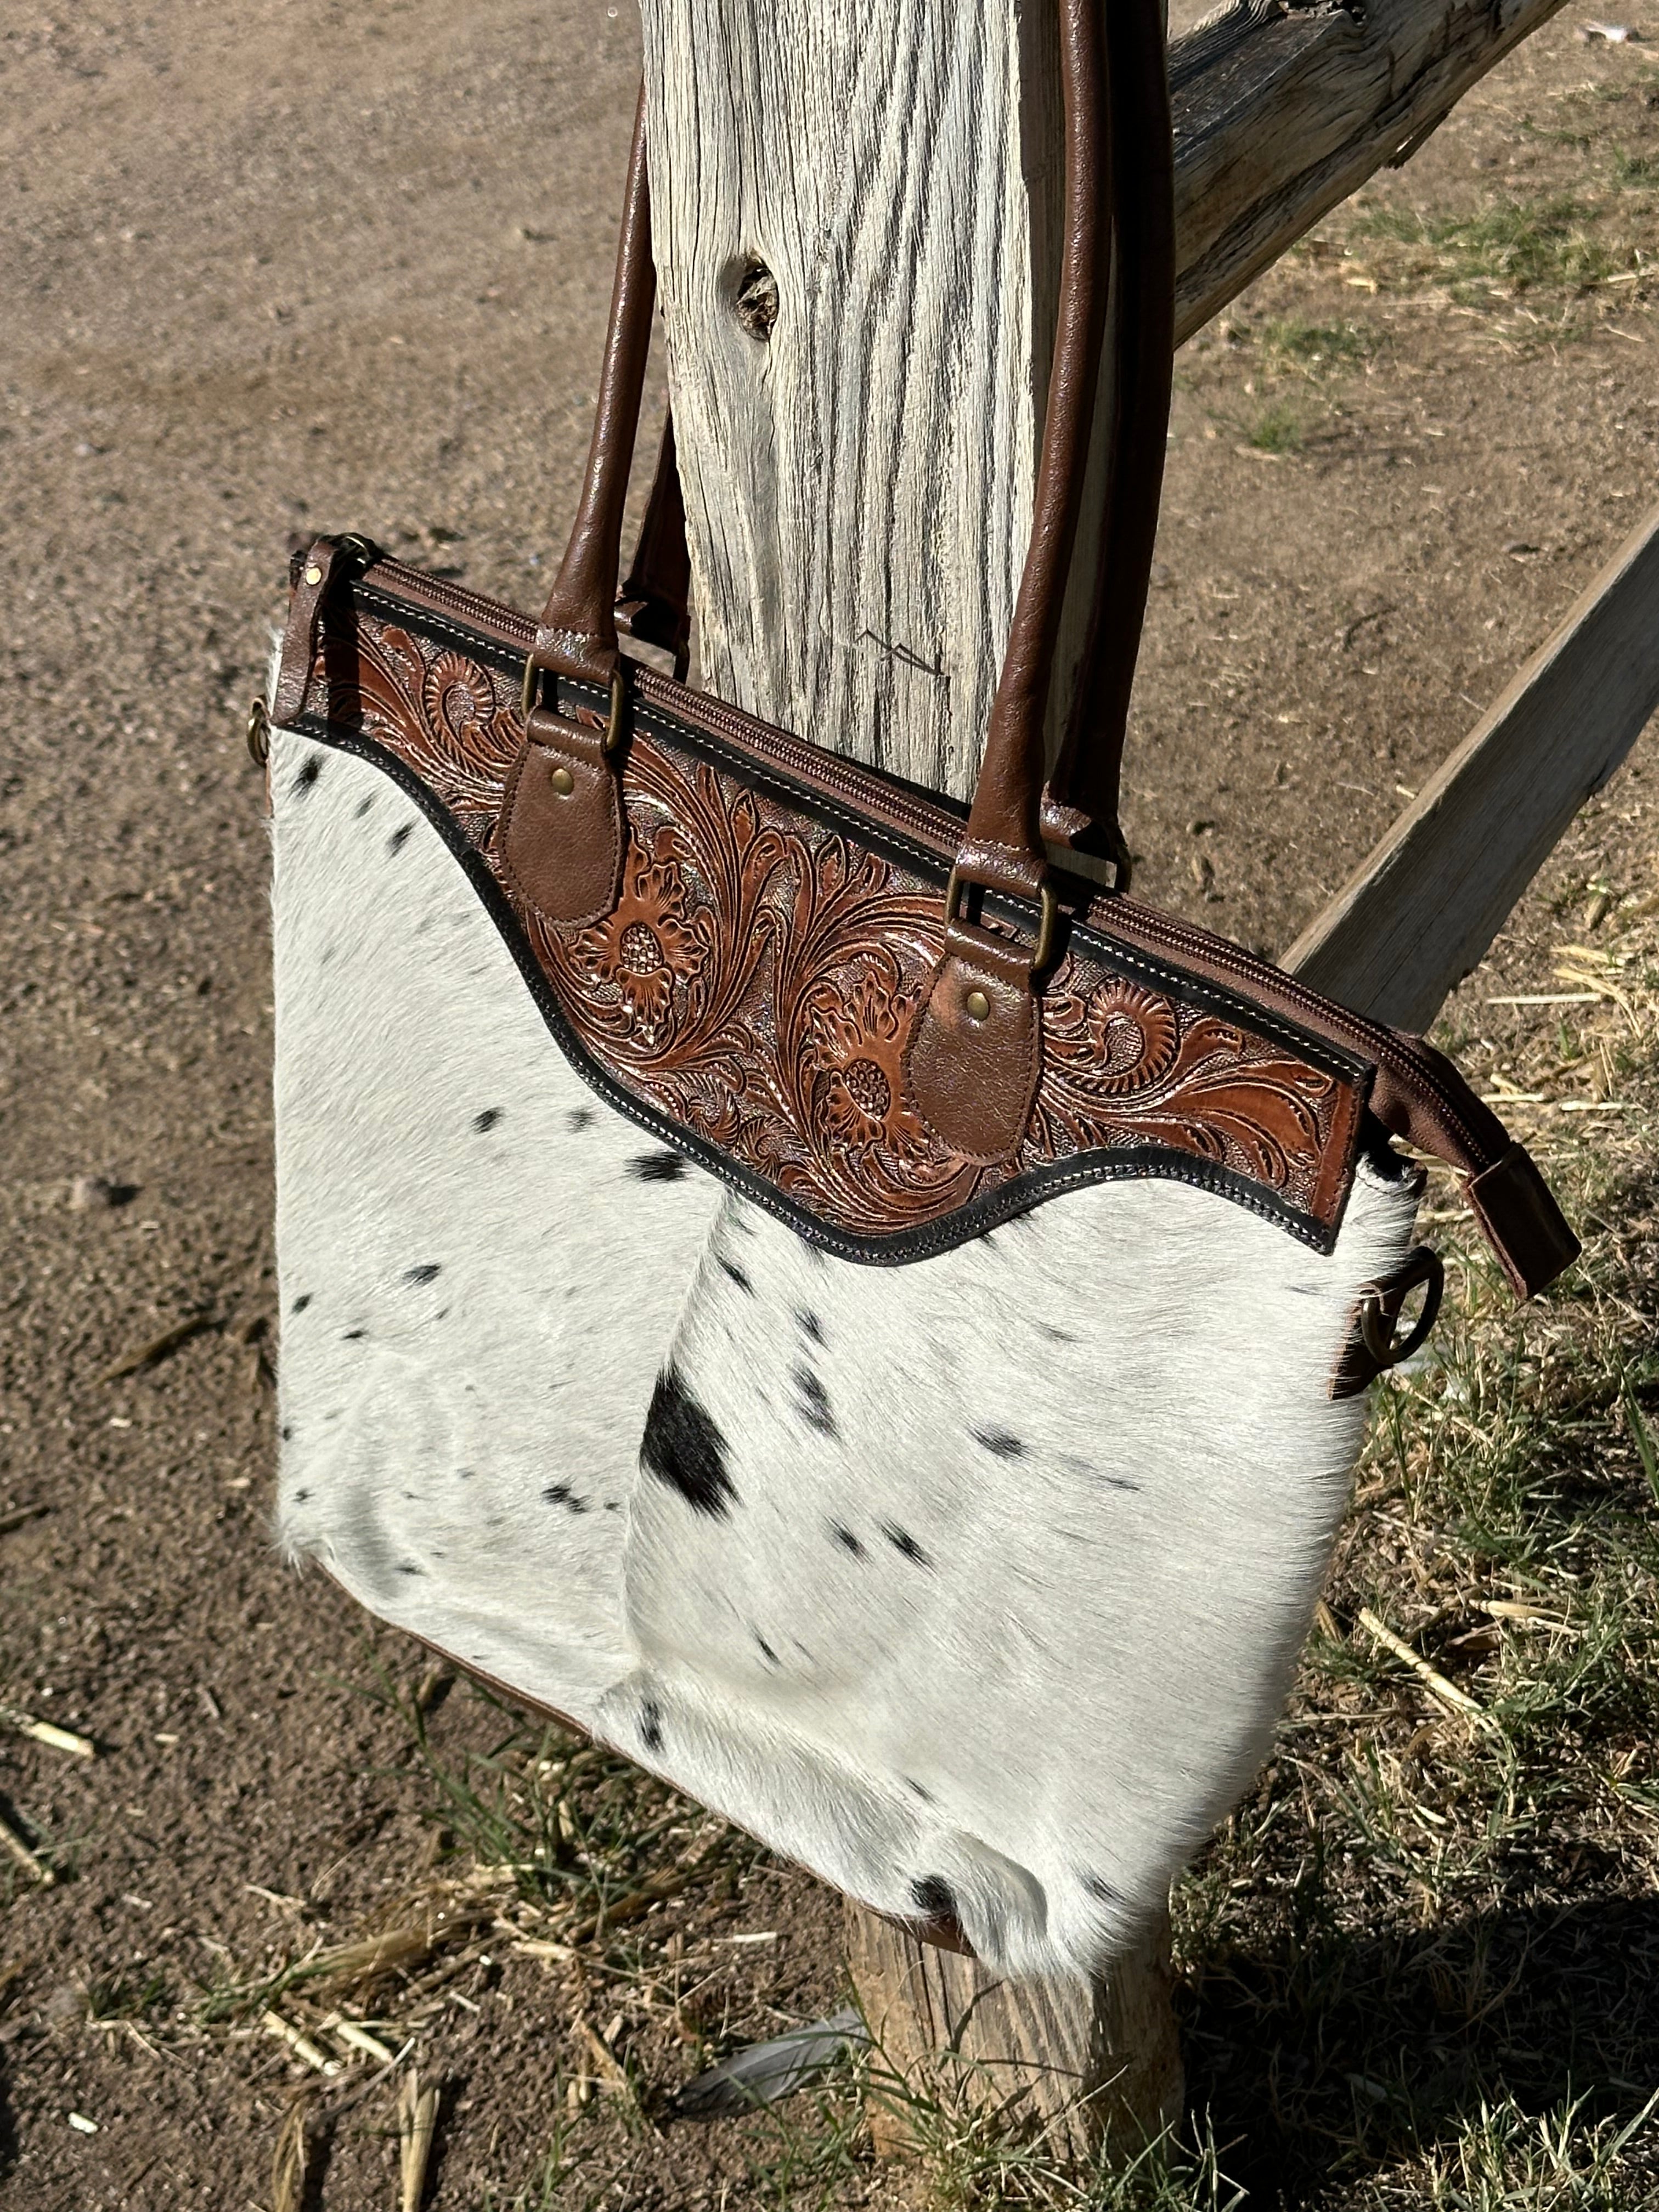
point(756, 982)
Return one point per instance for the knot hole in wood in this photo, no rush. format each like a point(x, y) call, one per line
point(754, 291)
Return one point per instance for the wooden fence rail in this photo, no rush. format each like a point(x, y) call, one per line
point(1282, 111)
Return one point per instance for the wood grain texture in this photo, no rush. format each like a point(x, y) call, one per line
point(1424, 908)
point(859, 484)
point(1086, 2063)
point(858, 487)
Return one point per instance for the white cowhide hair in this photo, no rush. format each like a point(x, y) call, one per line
point(974, 1585)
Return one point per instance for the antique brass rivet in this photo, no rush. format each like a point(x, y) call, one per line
point(979, 1007)
point(313, 574)
point(563, 781)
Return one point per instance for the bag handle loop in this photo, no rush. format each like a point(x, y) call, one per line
point(973, 1053)
point(577, 632)
point(1081, 800)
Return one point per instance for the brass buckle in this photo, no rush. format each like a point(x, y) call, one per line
point(1046, 925)
point(618, 692)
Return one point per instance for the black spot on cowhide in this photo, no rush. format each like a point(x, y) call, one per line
point(560, 1493)
point(578, 1119)
point(734, 1273)
point(398, 839)
point(651, 1725)
point(683, 1446)
point(485, 1121)
point(427, 1272)
point(351, 1336)
point(301, 1496)
point(809, 1324)
point(301, 1303)
point(362, 806)
point(405, 1567)
point(766, 1651)
point(309, 769)
point(657, 1167)
point(1001, 1443)
point(903, 1542)
point(814, 1408)
point(1101, 1890)
point(919, 1788)
point(933, 1896)
point(846, 1540)
point(287, 1432)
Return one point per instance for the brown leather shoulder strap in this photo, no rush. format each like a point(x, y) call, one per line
point(1003, 845)
point(1081, 805)
point(577, 632)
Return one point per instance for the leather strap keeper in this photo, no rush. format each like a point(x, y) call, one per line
point(561, 836)
point(976, 1049)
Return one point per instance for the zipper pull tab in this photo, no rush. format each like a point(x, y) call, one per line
point(1522, 1222)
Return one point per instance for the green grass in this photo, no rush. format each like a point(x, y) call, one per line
point(967, 2155)
point(572, 1825)
point(1512, 2161)
point(1292, 344)
point(1278, 429)
point(1520, 245)
point(133, 1995)
point(1419, 1957)
point(1635, 170)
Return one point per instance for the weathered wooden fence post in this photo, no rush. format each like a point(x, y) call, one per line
point(855, 229)
point(854, 214)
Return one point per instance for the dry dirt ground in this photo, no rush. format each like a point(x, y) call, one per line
point(306, 265)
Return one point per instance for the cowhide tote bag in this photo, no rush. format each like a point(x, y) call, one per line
point(784, 1271)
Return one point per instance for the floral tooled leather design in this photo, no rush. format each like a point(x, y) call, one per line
point(756, 982)
point(648, 949)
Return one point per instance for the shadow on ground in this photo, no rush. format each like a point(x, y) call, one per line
point(1329, 2056)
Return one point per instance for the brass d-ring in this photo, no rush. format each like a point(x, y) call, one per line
point(1379, 1305)
point(1047, 923)
point(613, 728)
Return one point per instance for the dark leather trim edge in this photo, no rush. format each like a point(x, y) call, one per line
point(1019, 1196)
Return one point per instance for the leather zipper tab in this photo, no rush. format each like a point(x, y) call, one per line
point(1521, 1221)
